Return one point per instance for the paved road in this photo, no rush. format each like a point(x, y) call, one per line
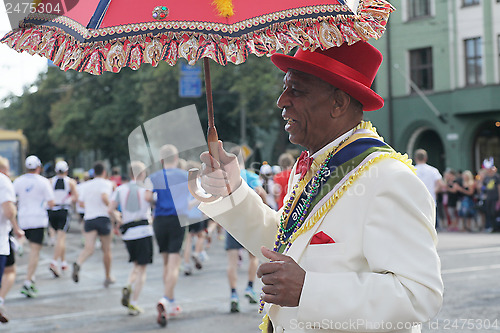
point(64, 306)
point(471, 275)
point(471, 271)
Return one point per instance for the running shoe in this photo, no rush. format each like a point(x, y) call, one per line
point(235, 303)
point(197, 261)
point(188, 270)
point(64, 266)
point(134, 310)
point(76, 270)
point(162, 312)
point(251, 295)
point(3, 317)
point(53, 268)
point(204, 256)
point(30, 291)
point(173, 309)
point(126, 291)
point(108, 282)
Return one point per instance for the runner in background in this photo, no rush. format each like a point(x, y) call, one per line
point(65, 194)
point(34, 196)
point(136, 230)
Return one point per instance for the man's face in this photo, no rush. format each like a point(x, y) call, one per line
point(306, 103)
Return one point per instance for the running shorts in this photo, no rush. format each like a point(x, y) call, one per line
point(3, 260)
point(140, 250)
point(101, 224)
point(198, 226)
point(59, 219)
point(169, 233)
point(11, 258)
point(232, 243)
point(35, 235)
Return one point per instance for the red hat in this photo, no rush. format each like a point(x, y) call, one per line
point(349, 68)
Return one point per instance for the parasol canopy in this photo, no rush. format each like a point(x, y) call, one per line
point(106, 35)
point(95, 36)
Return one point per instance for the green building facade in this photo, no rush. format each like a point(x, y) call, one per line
point(440, 80)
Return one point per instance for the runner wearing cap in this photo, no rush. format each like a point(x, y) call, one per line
point(34, 196)
point(65, 193)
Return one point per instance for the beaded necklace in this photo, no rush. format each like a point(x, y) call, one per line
point(281, 238)
point(323, 170)
point(302, 209)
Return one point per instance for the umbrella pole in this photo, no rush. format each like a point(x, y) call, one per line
point(212, 137)
point(212, 140)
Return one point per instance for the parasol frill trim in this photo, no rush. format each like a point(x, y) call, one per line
point(132, 51)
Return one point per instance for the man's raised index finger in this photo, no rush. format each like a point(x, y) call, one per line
point(273, 256)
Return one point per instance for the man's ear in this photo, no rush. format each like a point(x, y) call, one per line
point(341, 102)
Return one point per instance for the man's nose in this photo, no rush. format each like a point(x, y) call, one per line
point(282, 100)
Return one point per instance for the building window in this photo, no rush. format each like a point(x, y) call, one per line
point(419, 8)
point(421, 68)
point(471, 2)
point(473, 61)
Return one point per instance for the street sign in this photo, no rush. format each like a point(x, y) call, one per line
point(190, 86)
point(190, 81)
point(190, 70)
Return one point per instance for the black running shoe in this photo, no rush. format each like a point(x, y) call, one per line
point(76, 270)
point(126, 291)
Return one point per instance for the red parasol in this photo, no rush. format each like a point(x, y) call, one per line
point(106, 35)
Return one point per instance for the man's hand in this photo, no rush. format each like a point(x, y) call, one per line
point(220, 178)
point(18, 232)
point(283, 279)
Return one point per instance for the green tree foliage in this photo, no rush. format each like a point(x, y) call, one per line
point(31, 113)
point(71, 112)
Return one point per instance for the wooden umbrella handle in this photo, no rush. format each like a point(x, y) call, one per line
point(213, 148)
point(212, 142)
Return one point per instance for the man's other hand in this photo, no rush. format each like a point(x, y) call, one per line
point(283, 279)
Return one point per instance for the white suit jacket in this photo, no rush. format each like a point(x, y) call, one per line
point(382, 274)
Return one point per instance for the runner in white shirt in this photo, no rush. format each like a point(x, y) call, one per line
point(79, 209)
point(8, 222)
point(65, 194)
point(95, 200)
point(133, 200)
point(34, 196)
point(430, 176)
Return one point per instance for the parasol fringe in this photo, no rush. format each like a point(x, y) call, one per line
point(113, 55)
point(224, 7)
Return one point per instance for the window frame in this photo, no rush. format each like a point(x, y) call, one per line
point(469, 3)
point(477, 59)
point(415, 11)
point(417, 68)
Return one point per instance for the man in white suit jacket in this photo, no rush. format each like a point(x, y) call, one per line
point(353, 248)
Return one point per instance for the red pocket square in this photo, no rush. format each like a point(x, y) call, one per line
point(321, 238)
